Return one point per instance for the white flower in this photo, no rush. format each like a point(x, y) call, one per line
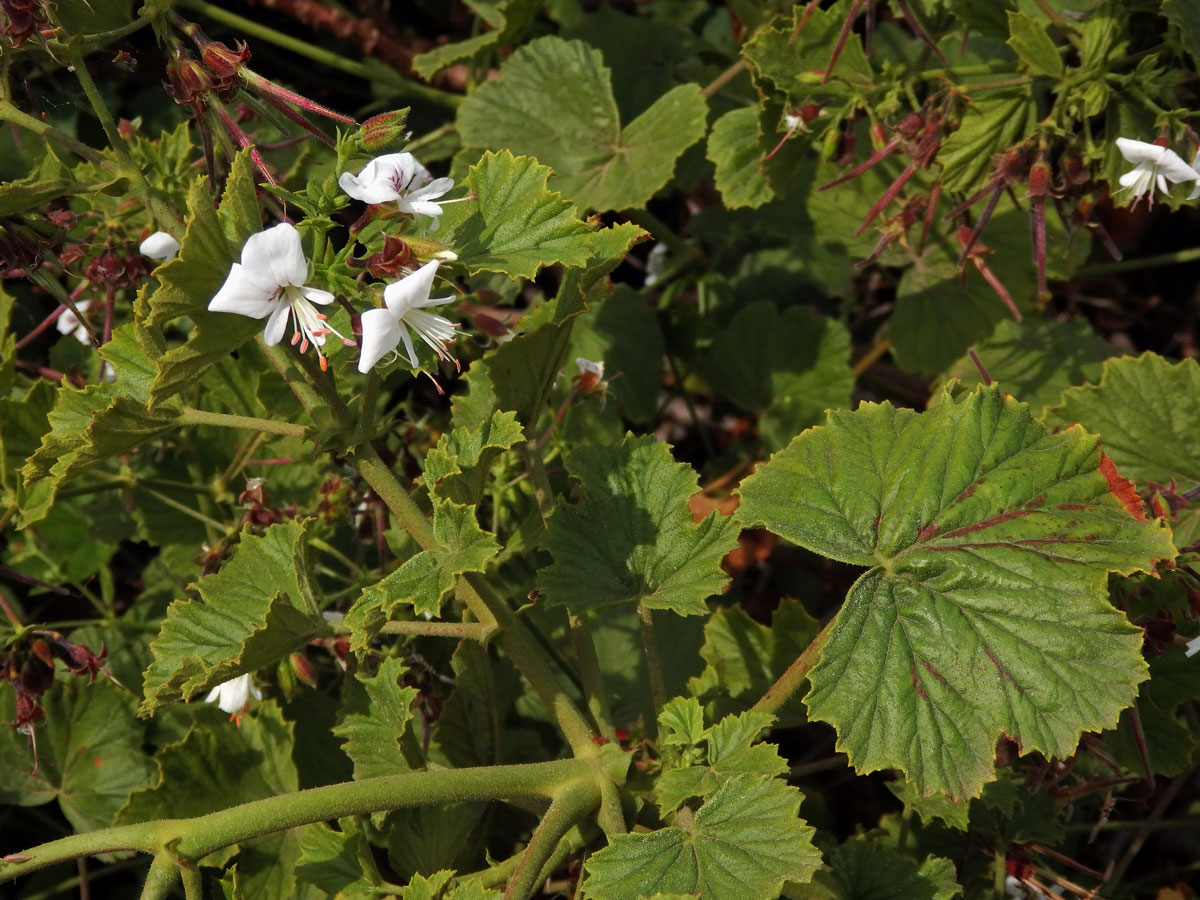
point(1193, 647)
point(1154, 165)
point(159, 245)
point(1195, 168)
point(406, 300)
point(234, 696)
point(398, 176)
point(586, 366)
point(68, 323)
point(656, 263)
point(269, 281)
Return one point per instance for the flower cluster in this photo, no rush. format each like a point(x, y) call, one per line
point(270, 281)
point(1155, 164)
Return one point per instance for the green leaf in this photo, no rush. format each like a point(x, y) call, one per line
point(89, 753)
point(379, 718)
point(862, 869)
point(1185, 16)
point(743, 658)
point(506, 20)
point(49, 181)
point(743, 844)
point(424, 580)
point(515, 224)
point(337, 862)
point(985, 610)
point(1029, 38)
point(796, 66)
point(992, 123)
point(255, 611)
point(1147, 413)
point(733, 149)
point(554, 101)
point(791, 366)
point(457, 468)
point(730, 751)
point(1162, 709)
point(95, 423)
point(681, 723)
point(191, 280)
point(935, 806)
point(471, 730)
point(631, 537)
point(1034, 360)
point(622, 331)
point(422, 840)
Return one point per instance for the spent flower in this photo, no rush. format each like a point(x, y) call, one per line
point(405, 303)
point(233, 696)
point(269, 283)
point(399, 177)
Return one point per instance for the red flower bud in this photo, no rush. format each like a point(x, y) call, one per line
point(385, 132)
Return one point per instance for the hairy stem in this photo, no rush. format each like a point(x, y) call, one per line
point(789, 682)
point(658, 684)
point(568, 808)
point(594, 693)
point(190, 416)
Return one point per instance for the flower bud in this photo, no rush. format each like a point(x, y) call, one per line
point(1039, 179)
point(385, 132)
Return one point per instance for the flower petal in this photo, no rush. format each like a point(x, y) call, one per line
point(434, 189)
point(276, 254)
point(276, 325)
point(366, 190)
point(408, 345)
point(159, 245)
point(421, 207)
point(316, 295)
point(1140, 151)
point(1175, 169)
point(410, 291)
point(381, 333)
point(243, 295)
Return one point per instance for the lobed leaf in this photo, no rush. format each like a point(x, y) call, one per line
point(377, 719)
point(631, 537)
point(984, 611)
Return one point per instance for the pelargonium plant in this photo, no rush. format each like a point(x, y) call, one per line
point(616, 451)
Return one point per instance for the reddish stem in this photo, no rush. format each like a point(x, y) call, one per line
point(984, 218)
point(920, 32)
point(935, 195)
point(983, 373)
point(808, 11)
point(888, 196)
point(1037, 221)
point(997, 286)
point(841, 41)
point(863, 166)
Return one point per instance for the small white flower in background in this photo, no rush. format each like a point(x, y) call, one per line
point(68, 323)
point(1155, 165)
point(792, 122)
point(1193, 647)
point(234, 696)
point(159, 245)
point(269, 282)
point(1195, 168)
point(656, 263)
point(591, 379)
point(399, 177)
point(406, 301)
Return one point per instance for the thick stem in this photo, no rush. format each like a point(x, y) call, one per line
point(594, 693)
point(543, 492)
point(161, 878)
point(9, 113)
point(190, 416)
point(658, 684)
point(725, 77)
point(571, 805)
point(472, 631)
point(1147, 262)
point(789, 682)
point(192, 839)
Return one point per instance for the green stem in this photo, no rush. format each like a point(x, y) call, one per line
point(724, 78)
point(193, 883)
point(804, 770)
point(569, 807)
point(1149, 825)
point(377, 74)
point(594, 693)
point(192, 839)
point(10, 113)
point(190, 416)
point(1000, 870)
point(140, 187)
point(658, 684)
point(282, 363)
point(161, 878)
point(543, 492)
point(473, 631)
point(92, 42)
point(789, 682)
point(1146, 262)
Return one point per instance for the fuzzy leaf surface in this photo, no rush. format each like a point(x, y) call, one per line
point(554, 101)
point(255, 611)
point(631, 537)
point(733, 150)
point(744, 842)
point(985, 609)
point(373, 728)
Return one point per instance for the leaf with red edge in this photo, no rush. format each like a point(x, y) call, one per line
point(984, 611)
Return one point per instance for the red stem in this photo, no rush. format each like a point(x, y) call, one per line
point(841, 41)
point(863, 166)
point(888, 196)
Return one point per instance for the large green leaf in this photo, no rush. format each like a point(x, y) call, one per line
point(554, 101)
point(255, 611)
point(506, 20)
point(457, 468)
point(1147, 413)
point(744, 842)
point(1029, 39)
point(471, 730)
point(985, 609)
point(794, 60)
point(378, 716)
point(514, 225)
point(862, 869)
point(992, 123)
point(1035, 360)
point(790, 366)
point(424, 579)
point(1185, 16)
point(89, 753)
point(631, 537)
